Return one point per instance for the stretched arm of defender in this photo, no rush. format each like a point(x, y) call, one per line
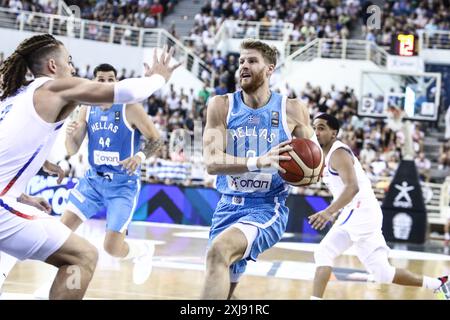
point(125, 91)
point(342, 162)
point(138, 118)
point(214, 142)
point(75, 132)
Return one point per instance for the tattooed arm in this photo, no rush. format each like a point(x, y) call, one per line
point(137, 118)
point(151, 146)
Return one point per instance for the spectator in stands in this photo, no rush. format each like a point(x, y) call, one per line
point(423, 166)
point(153, 105)
point(157, 11)
point(218, 60)
point(368, 154)
point(204, 94)
point(221, 89)
point(173, 103)
point(418, 137)
point(447, 124)
point(444, 156)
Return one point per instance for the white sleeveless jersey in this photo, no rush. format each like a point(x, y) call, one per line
point(25, 139)
point(334, 182)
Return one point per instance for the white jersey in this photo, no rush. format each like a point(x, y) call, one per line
point(25, 139)
point(334, 182)
point(361, 220)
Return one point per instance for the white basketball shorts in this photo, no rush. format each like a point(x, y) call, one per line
point(28, 233)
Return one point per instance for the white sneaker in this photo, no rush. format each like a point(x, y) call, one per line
point(43, 292)
point(143, 264)
point(2, 280)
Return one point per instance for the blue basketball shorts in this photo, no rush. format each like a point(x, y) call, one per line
point(269, 215)
point(117, 192)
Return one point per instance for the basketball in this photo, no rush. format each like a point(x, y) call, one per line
point(306, 164)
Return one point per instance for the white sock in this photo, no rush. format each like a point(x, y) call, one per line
point(431, 283)
point(7, 262)
point(315, 298)
point(135, 249)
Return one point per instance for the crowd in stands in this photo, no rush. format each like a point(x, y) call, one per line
point(136, 13)
point(130, 13)
point(403, 16)
point(309, 19)
point(44, 6)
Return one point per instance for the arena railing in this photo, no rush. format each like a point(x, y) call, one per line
point(338, 49)
point(241, 29)
point(71, 26)
point(434, 39)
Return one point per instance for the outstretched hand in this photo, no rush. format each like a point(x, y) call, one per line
point(161, 66)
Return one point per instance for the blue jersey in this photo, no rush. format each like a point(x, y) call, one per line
point(111, 138)
point(251, 133)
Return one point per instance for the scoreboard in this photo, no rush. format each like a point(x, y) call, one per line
point(404, 45)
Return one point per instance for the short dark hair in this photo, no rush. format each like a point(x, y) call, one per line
point(332, 122)
point(105, 67)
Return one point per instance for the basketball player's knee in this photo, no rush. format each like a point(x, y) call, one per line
point(217, 254)
point(89, 257)
point(382, 272)
point(324, 256)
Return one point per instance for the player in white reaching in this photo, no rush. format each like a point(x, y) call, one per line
point(358, 219)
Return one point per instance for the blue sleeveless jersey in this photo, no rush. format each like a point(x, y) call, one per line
point(111, 138)
point(251, 133)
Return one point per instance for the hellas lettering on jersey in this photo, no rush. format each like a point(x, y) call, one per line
point(104, 126)
point(106, 157)
point(242, 132)
point(250, 182)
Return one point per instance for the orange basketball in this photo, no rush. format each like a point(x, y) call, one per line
point(306, 164)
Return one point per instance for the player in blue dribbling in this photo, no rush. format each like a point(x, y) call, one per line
point(113, 179)
point(244, 136)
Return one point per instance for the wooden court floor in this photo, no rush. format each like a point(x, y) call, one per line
point(283, 272)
